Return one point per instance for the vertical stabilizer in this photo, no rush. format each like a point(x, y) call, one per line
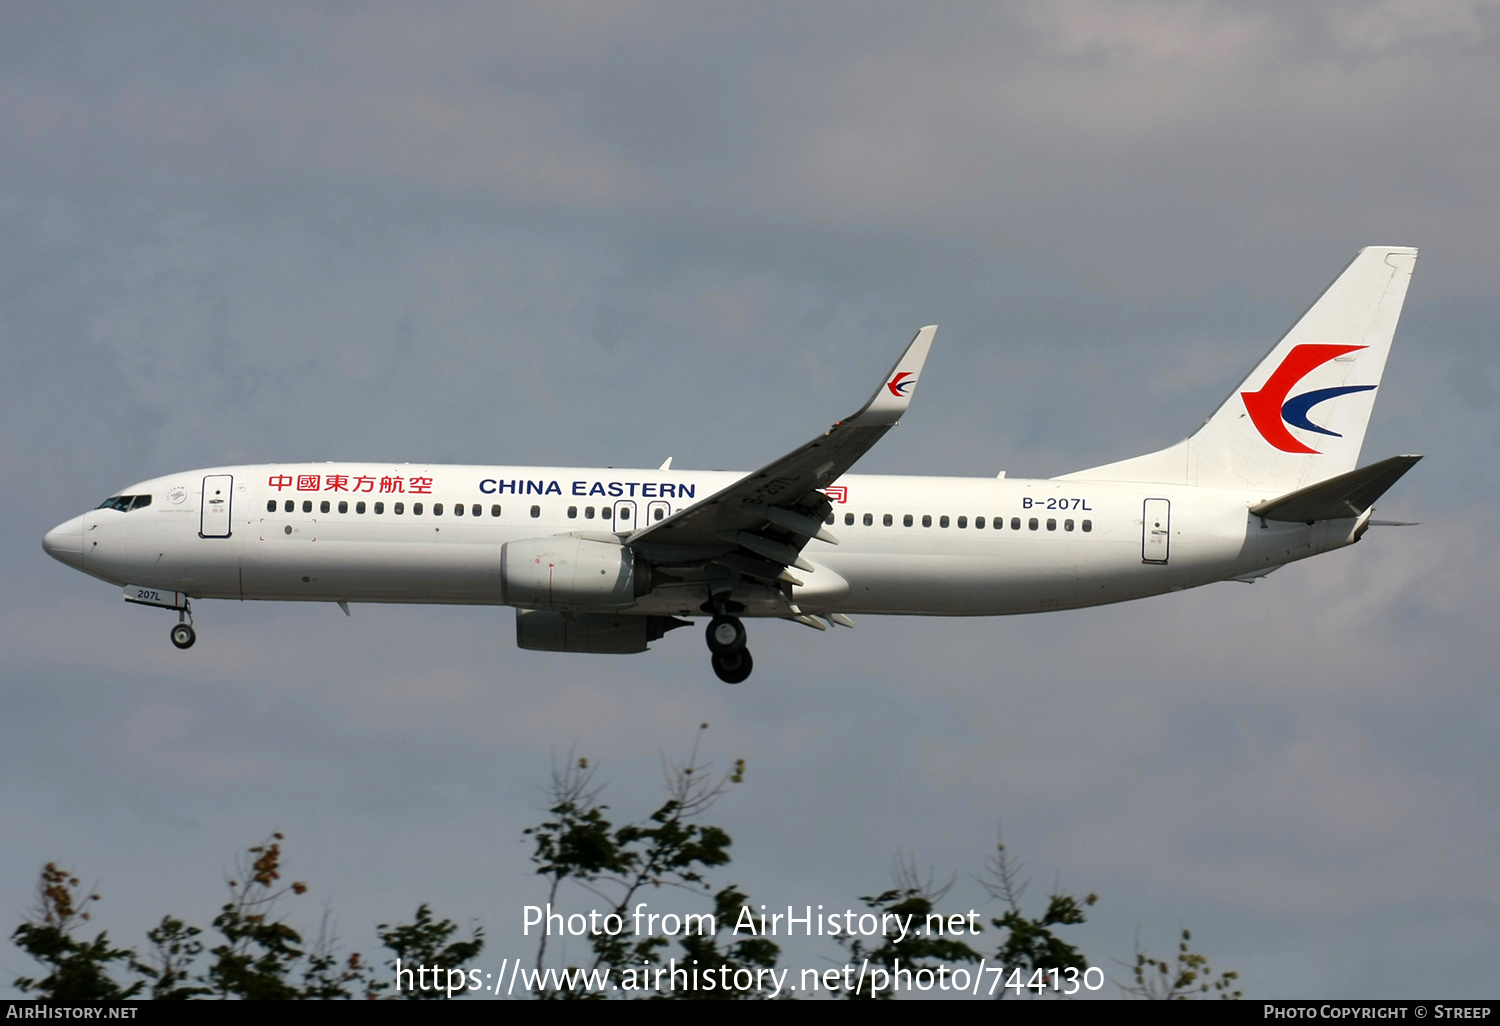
point(1300, 416)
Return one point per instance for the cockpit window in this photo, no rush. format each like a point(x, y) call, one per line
point(125, 503)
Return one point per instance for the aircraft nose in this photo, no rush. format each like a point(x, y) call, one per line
point(64, 543)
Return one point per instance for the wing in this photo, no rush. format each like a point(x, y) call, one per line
point(758, 525)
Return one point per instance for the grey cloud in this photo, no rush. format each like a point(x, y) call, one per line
point(583, 235)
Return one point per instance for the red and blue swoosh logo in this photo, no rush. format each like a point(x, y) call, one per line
point(900, 386)
point(1271, 411)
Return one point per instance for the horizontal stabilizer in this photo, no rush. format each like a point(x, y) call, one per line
point(1347, 495)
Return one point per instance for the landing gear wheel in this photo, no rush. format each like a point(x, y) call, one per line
point(183, 635)
point(734, 667)
point(726, 635)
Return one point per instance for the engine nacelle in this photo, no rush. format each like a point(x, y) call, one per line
point(568, 572)
point(606, 633)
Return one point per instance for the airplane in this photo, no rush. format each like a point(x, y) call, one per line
point(610, 560)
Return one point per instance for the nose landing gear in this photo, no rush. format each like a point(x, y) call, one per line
point(726, 640)
point(183, 634)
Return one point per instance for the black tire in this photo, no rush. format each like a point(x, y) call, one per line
point(183, 635)
point(725, 626)
point(735, 667)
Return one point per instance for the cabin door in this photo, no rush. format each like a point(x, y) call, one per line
point(214, 512)
point(1156, 528)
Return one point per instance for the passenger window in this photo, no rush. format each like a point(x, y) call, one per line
point(572, 512)
point(827, 520)
point(495, 510)
point(942, 521)
point(323, 506)
point(1088, 525)
point(359, 507)
point(926, 520)
point(978, 523)
point(380, 507)
point(290, 505)
point(887, 520)
point(416, 509)
point(1015, 524)
point(605, 512)
point(1051, 524)
point(588, 512)
point(307, 505)
point(906, 520)
point(963, 521)
point(848, 519)
point(458, 509)
point(1031, 523)
point(869, 519)
point(536, 511)
point(270, 506)
point(660, 513)
point(437, 509)
point(141, 502)
point(1067, 525)
point(343, 506)
point(476, 510)
point(399, 508)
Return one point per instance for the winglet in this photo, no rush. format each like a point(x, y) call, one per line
point(893, 397)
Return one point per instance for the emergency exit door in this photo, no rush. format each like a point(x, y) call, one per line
point(213, 513)
point(1156, 531)
point(625, 515)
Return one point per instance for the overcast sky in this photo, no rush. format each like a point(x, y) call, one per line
point(588, 234)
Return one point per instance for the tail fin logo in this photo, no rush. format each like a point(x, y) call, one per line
point(1271, 411)
point(899, 386)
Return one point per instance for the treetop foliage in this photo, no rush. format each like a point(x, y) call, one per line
point(252, 952)
point(258, 957)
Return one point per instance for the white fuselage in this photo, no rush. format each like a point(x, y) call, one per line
point(1043, 544)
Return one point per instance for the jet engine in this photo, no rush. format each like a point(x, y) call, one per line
point(569, 572)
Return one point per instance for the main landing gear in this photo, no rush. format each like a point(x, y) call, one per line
point(183, 634)
point(726, 640)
